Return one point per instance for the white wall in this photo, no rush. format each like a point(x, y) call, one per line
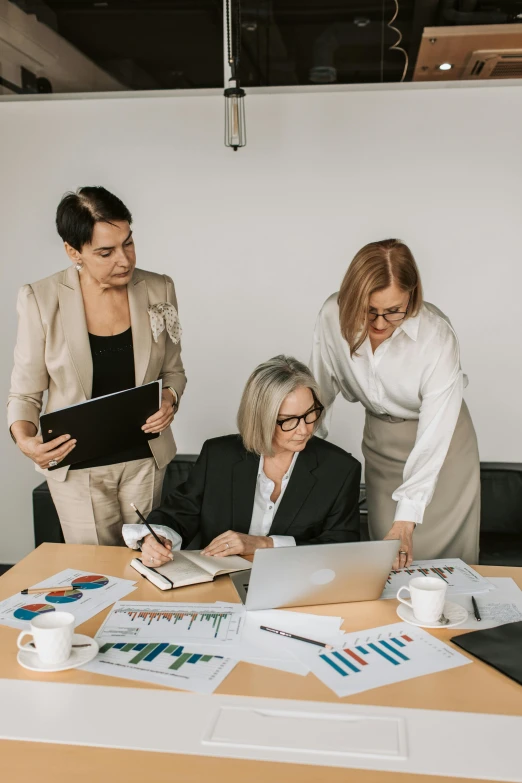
point(257, 239)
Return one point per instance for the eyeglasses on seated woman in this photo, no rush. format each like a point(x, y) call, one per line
point(273, 484)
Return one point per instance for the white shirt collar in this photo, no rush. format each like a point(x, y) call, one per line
point(410, 327)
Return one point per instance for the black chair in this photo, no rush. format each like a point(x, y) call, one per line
point(501, 514)
point(45, 519)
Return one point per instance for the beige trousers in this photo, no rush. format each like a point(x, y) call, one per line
point(94, 503)
point(452, 520)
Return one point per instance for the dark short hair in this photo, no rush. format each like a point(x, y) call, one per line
point(78, 213)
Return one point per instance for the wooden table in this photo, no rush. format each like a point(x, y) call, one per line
point(477, 688)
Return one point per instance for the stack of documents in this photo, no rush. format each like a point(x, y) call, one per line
point(195, 646)
point(188, 646)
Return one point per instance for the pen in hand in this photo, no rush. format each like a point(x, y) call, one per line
point(151, 531)
point(476, 609)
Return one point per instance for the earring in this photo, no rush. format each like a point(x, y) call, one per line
point(79, 267)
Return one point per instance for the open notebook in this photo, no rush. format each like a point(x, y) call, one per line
point(190, 568)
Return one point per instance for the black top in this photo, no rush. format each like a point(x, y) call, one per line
point(320, 504)
point(113, 371)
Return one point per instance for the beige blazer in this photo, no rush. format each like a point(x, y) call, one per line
point(53, 353)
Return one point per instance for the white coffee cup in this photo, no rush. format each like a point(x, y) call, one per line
point(427, 595)
point(52, 634)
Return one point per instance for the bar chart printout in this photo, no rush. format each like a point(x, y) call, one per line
point(459, 577)
point(192, 624)
point(162, 663)
point(382, 656)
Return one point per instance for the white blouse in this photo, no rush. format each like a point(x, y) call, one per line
point(265, 509)
point(415, 374)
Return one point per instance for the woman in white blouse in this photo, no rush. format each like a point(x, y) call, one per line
point(274, 484)
point(377, 342)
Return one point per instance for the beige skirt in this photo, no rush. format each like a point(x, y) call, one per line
point(452, 520)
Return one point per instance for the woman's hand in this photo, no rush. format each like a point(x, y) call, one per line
point(155, 555)
point(42, 453)
point(164, 417)
point(404, 532)
point(232, 543)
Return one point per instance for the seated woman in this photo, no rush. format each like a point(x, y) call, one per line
point(274, 484)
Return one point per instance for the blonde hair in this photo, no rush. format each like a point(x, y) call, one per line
point(375, 267)
point(263, 396)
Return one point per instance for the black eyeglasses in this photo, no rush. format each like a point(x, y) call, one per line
point(391, 318)
point(293, 422)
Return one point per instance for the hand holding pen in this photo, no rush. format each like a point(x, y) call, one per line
point(157, 552)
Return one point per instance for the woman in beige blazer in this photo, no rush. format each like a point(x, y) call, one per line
point(98, 327)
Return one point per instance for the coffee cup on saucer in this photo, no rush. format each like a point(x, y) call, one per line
point(52, 634)
point(427, 596)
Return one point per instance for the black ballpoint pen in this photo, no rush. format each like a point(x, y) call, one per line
point(294, 636)
point(476, 609)
point(138, 512)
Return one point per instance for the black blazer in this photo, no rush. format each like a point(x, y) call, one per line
point(320, 504)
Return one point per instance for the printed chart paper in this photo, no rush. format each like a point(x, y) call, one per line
point(381, 656)
point(162, 663)
point(92, 593)
point(199, 626)
point(459, 577)
point(503, 605)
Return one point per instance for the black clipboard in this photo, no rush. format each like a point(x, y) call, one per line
point(104, 425)
point(499, 647)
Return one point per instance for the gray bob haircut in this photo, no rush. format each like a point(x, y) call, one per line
point(263, 396)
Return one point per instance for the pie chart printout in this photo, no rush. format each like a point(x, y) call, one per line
point(63, 596)
point(91, 582)
point(82, 593)
point(30, 611)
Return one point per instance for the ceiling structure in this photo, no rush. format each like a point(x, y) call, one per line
point(178, 44)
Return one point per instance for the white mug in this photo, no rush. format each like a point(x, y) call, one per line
point(52, 634)
point(427, 595)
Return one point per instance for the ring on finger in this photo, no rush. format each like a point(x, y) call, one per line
point(53, 463)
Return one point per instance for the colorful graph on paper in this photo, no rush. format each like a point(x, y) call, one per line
point(92, 593)
point(382, 656)
point(162, 663)
point(173, 656)
point(443, 573)
point(191, 624)
point(459, 577)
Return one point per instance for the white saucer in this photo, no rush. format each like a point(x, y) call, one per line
point(79, 656)
point(456, 615)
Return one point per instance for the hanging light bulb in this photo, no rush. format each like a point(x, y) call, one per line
point(235, 128)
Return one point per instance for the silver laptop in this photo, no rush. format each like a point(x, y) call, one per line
point(318, 574)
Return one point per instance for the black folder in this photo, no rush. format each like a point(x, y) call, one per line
point(499, 647)
point(104, 425)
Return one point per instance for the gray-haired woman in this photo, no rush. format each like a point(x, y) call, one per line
point(274, 484)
